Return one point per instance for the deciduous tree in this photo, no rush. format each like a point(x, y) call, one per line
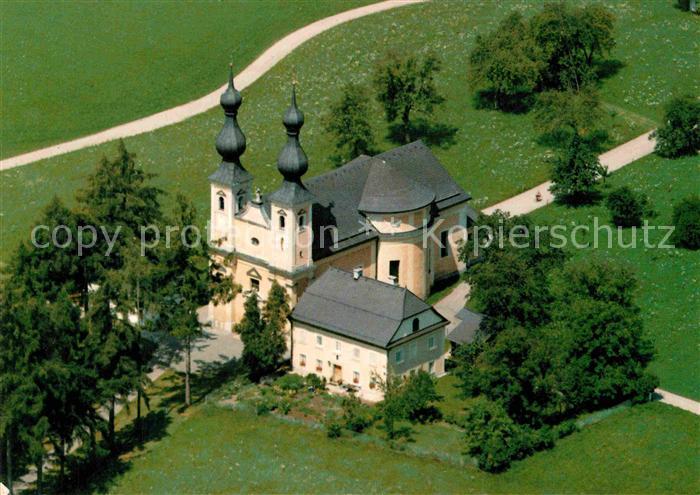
point(404, 84)
point(348, 122)
point(575, 171)
point(680, 134)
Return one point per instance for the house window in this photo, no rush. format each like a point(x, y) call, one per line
point(444, 244)
point(398, 357)
point(255, 284)
point(282, 219)
point(355, 377)
point(372, 383)
point(319, 365)
point(394, 270)
point(416, 324)
point(356, 353)
point(431, 342)
point(302, 360)
point(319, 341)
point(222, 203)
point(412, 350)
point(337, 346)
point(431, 366)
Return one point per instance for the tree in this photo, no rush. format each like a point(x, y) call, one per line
point(559, 115)
point(606, 349)
point(419, 395)
point(115, 352)
point(506, 61)
point(53, 262)
point(491, 436)
point(686, 219)
point(626, 207)
point(405, 84)
point(509, 284)
point(571, 38)
point(187, 278)
point(680, 134)
point(264, 342)
point(575, 172)
point(348, 122)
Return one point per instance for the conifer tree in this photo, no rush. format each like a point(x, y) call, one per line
point(187, 279)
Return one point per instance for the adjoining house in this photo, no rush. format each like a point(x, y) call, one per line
point(372, 213)
point(464, 331)
point(353, 330)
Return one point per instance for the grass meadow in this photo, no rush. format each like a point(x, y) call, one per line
point(644, 449)
point(74, 68)
point(669, 279)
point(492, 155)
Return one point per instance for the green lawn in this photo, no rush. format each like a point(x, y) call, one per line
point(650, 449)
point(669, 279)
point(73, 68)
point(494, 155)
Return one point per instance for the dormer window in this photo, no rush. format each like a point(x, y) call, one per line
point(416, 324)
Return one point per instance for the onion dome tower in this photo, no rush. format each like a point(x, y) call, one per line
point(230, 143)
point(292, 162)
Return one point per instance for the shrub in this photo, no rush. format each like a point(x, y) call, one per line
point(565, 428)
point(686, 219)
point(645, 386)
point(627, 207)
point(284, 406)
point(264, 406)
point(356, 416)
point(418, 395)
point(291, 382)
point(333, 427)
point(316, 382)
point(491, 436)
point(680, 135)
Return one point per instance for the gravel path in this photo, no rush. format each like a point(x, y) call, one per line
point(248, 76)
point(614, 159)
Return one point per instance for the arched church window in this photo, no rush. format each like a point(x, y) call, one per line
point(282, 219)
point(222, 203)
point(240, 201)
point(302, 219)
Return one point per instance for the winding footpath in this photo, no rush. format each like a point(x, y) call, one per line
point(248, 76)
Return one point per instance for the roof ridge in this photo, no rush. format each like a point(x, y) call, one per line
point(358, 308)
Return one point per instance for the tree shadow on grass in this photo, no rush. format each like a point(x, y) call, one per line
point(518, 103)
point(589, 198)
point(209, 377)
point(86, 473)
point(597, 139)
point(607, 68)
point(434, 134)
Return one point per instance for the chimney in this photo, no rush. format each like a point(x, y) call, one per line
point(357, 272)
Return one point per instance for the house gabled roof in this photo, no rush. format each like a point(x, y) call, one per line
point(363, 309)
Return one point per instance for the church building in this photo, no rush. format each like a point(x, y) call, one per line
point(367, 216)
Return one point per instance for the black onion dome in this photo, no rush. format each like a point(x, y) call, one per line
point(230, 143)
point(293, 117)
point(292, 161)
